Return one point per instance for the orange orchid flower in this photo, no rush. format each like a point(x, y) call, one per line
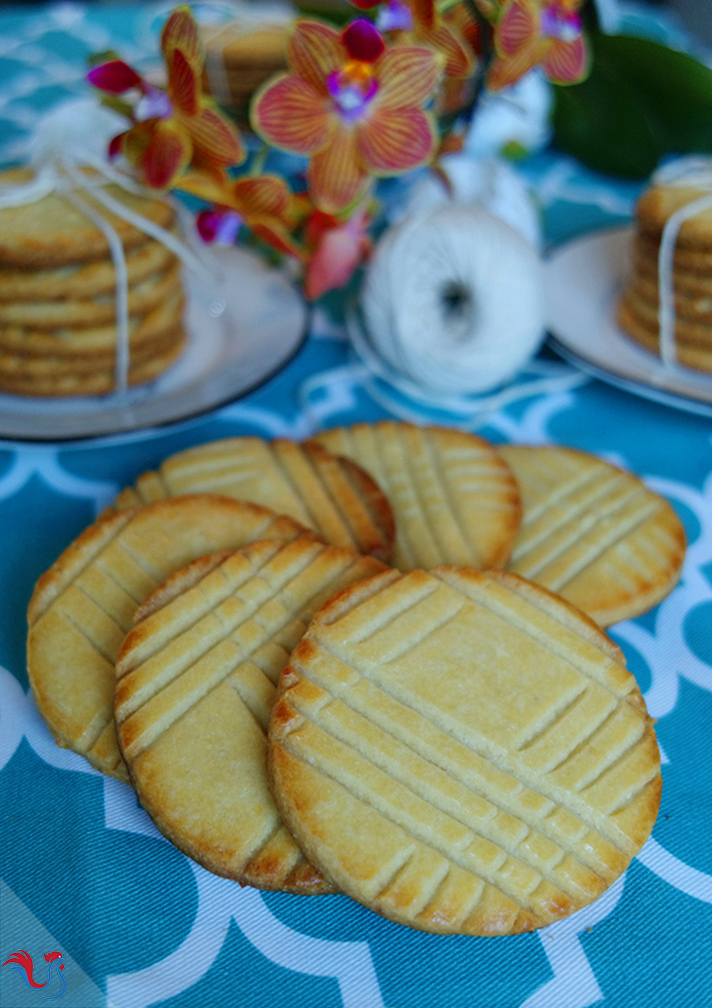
point(419, 21)
point(180, 127)
point(546, 33)
point(352, 105)
point(264, 204)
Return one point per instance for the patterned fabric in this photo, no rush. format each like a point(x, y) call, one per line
point(85, 872)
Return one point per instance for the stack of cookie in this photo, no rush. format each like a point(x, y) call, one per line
point(692, 277)
point(58, 296)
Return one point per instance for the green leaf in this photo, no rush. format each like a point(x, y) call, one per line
point(600, 123)
point(642, 100)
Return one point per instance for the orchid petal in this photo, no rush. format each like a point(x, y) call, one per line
point(212, 187)
point(181, 32)
point(167, 154)
point(292, 115)
point(518, 25)
point(217, 226)
point(336, 175)
point(276, 236)
point(363, 41)
point(115, 146)
point(183, 83)
point(395, 140)
point(407, 76)
point(424, 13)
point(214, 138)
point(336, 257)
point(315, 51)
point(507, 71)
point(115, 77)
point(459, 61)
point(134, 142)
point(266, 196)
point(566, 62)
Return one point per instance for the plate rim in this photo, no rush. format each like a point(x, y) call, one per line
point(159, 427)
point(692, 402)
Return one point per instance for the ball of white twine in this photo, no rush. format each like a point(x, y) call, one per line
point(454, 300)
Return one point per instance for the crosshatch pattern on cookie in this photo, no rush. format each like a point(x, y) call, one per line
point(195, 687)
point(463, 752)
point(330, 495)
point(593, 533)
point(83, 606)
point(454, 499)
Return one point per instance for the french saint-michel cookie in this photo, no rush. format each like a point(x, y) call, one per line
point(52, 232)
point(42, 313)
point(82, 607)
point(660, 202)
point(453, 497)
point(331, 495)
point(195, 685)
point(592, 533)
point(463, 752)
point(84, 280)
point(692, 353)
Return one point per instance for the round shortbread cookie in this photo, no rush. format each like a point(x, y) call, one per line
point(195, 686)
point(143, 297)
point(659, 202)
point(82, 607)
point(592, 533)
point(463, 752)
point(333, 496)
point(454, 499)
point(13, 362)
point(694, 277)
point(67, 283)
point(692, 314)
point(692, 300)
point(52, 232)
point(696, 262)
point(692, 354)
point(96, 340)
point(98, 380)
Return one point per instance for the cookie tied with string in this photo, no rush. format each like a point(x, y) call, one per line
point(59, 307)
point(463, 752)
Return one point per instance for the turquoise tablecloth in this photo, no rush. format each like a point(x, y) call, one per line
point(84, 870)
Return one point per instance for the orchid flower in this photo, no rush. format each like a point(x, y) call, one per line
point(420, 22)
point(263, 204)
point(352, 105)
point(544, 33)
point(338, 248)
point(177, 128)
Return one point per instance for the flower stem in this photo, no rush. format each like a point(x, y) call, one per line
point(258, 162)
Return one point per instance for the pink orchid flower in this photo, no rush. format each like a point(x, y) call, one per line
point(352, 105)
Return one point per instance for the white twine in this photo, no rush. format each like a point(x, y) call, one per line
point(60, 171)
point(693, 173)
point(453, 303)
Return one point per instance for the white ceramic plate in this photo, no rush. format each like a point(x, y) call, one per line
point(262, 326)
point(584, 278)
